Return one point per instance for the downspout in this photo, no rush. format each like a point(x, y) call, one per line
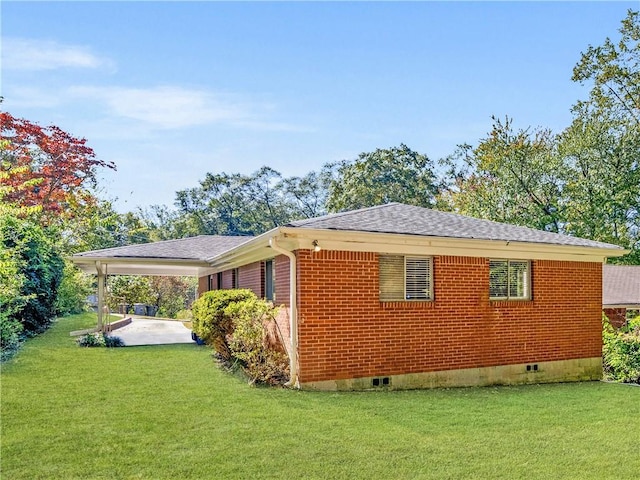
point(293, 313)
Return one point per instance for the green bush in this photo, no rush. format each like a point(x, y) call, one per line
point(9, 337)
point(184, 315)
point(261, 356)
point(73, 291)
point(128, 289)
point(211, 323)
point(172, 294)
point(99, 339)
point(39, 268)
point(621, 351)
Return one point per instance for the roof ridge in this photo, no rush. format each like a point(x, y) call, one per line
point(343, 214)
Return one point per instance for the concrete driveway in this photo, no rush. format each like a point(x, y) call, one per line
point(142, 331)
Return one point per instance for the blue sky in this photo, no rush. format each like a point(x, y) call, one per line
point(172, 90)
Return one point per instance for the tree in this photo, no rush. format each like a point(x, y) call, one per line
point(512, 176)
point(40, 268)
point(397, 174)
point(584, 181)
point(234, 204)
point(308, 195)
point(602, 145)
point(614, 70)
point(59, 169)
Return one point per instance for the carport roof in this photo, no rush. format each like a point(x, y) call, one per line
point(184, 256)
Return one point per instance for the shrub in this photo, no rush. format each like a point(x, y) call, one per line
point(621, 351)
point(261, 355)
point(211, 323)
point(128, 289)
point(73, 291)
point(39, 269)
point(9, 337)
point(99, 339)
point(184, 315)
point(172, 294)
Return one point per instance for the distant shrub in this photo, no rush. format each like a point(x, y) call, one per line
point(73, 291)
point(210, 321)
point(99, 339)
point(260, 354)
point(621, 351)
point(184, 315)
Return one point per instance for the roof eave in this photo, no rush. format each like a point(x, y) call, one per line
point(302, 238)
point(141, 266)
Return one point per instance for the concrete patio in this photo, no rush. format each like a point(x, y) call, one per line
point(146, 331)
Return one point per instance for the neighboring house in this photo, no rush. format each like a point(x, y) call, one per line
point(408, 297)
point(620, 292)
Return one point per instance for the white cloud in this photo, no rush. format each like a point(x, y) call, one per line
point(172, 107)
point(37, 55)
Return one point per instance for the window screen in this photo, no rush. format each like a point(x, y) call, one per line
point(509, 279)
point(405, 278)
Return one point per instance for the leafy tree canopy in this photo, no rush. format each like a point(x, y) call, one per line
point(396, 174)
point(46, 166)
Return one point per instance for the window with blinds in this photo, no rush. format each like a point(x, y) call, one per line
point(509, 279)
point(405, 278)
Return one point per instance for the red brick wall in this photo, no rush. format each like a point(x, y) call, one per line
point(203, 285)
point(281, 266)
point(252, 277)
point(617, 316)
point(346, 332)
point(227, 282)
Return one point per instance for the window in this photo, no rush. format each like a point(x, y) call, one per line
point(509, 279)
point(235, 278)
point(405, 278)
point(210, 282)
point(219, 280)
point(269, 280)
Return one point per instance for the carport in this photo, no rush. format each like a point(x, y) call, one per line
point(182, 257)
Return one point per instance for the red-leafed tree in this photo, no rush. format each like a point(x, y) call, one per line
point(58, 169)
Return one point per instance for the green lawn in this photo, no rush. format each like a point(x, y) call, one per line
point(169, 412)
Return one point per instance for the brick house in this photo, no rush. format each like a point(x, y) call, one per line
point(620, 292)
point(408, 297)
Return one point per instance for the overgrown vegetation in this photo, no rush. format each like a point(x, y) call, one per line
point(236, 324)
point(621, 351)
point(255, 342)
point(30, 273)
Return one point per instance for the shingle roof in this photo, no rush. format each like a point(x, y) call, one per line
point(621, 285)
point(201, 247)
point(412, 220)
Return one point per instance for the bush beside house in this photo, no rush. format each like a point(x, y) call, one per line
point(235, 323)
point(621, 351)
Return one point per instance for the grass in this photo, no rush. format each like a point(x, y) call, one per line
point(168, 412)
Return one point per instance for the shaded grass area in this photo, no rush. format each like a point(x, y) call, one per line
point(168, 412)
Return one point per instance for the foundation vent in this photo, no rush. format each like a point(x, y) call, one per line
point(380, 381)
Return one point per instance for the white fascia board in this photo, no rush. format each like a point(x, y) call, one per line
point(302, 238)
point(140, 266)
point(255, 250)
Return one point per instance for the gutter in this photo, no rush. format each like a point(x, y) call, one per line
point(293, 313)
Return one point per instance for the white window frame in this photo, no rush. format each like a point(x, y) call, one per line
point(400, 280)
point(526, 292)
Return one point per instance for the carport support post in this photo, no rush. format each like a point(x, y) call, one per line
point(101, 277)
